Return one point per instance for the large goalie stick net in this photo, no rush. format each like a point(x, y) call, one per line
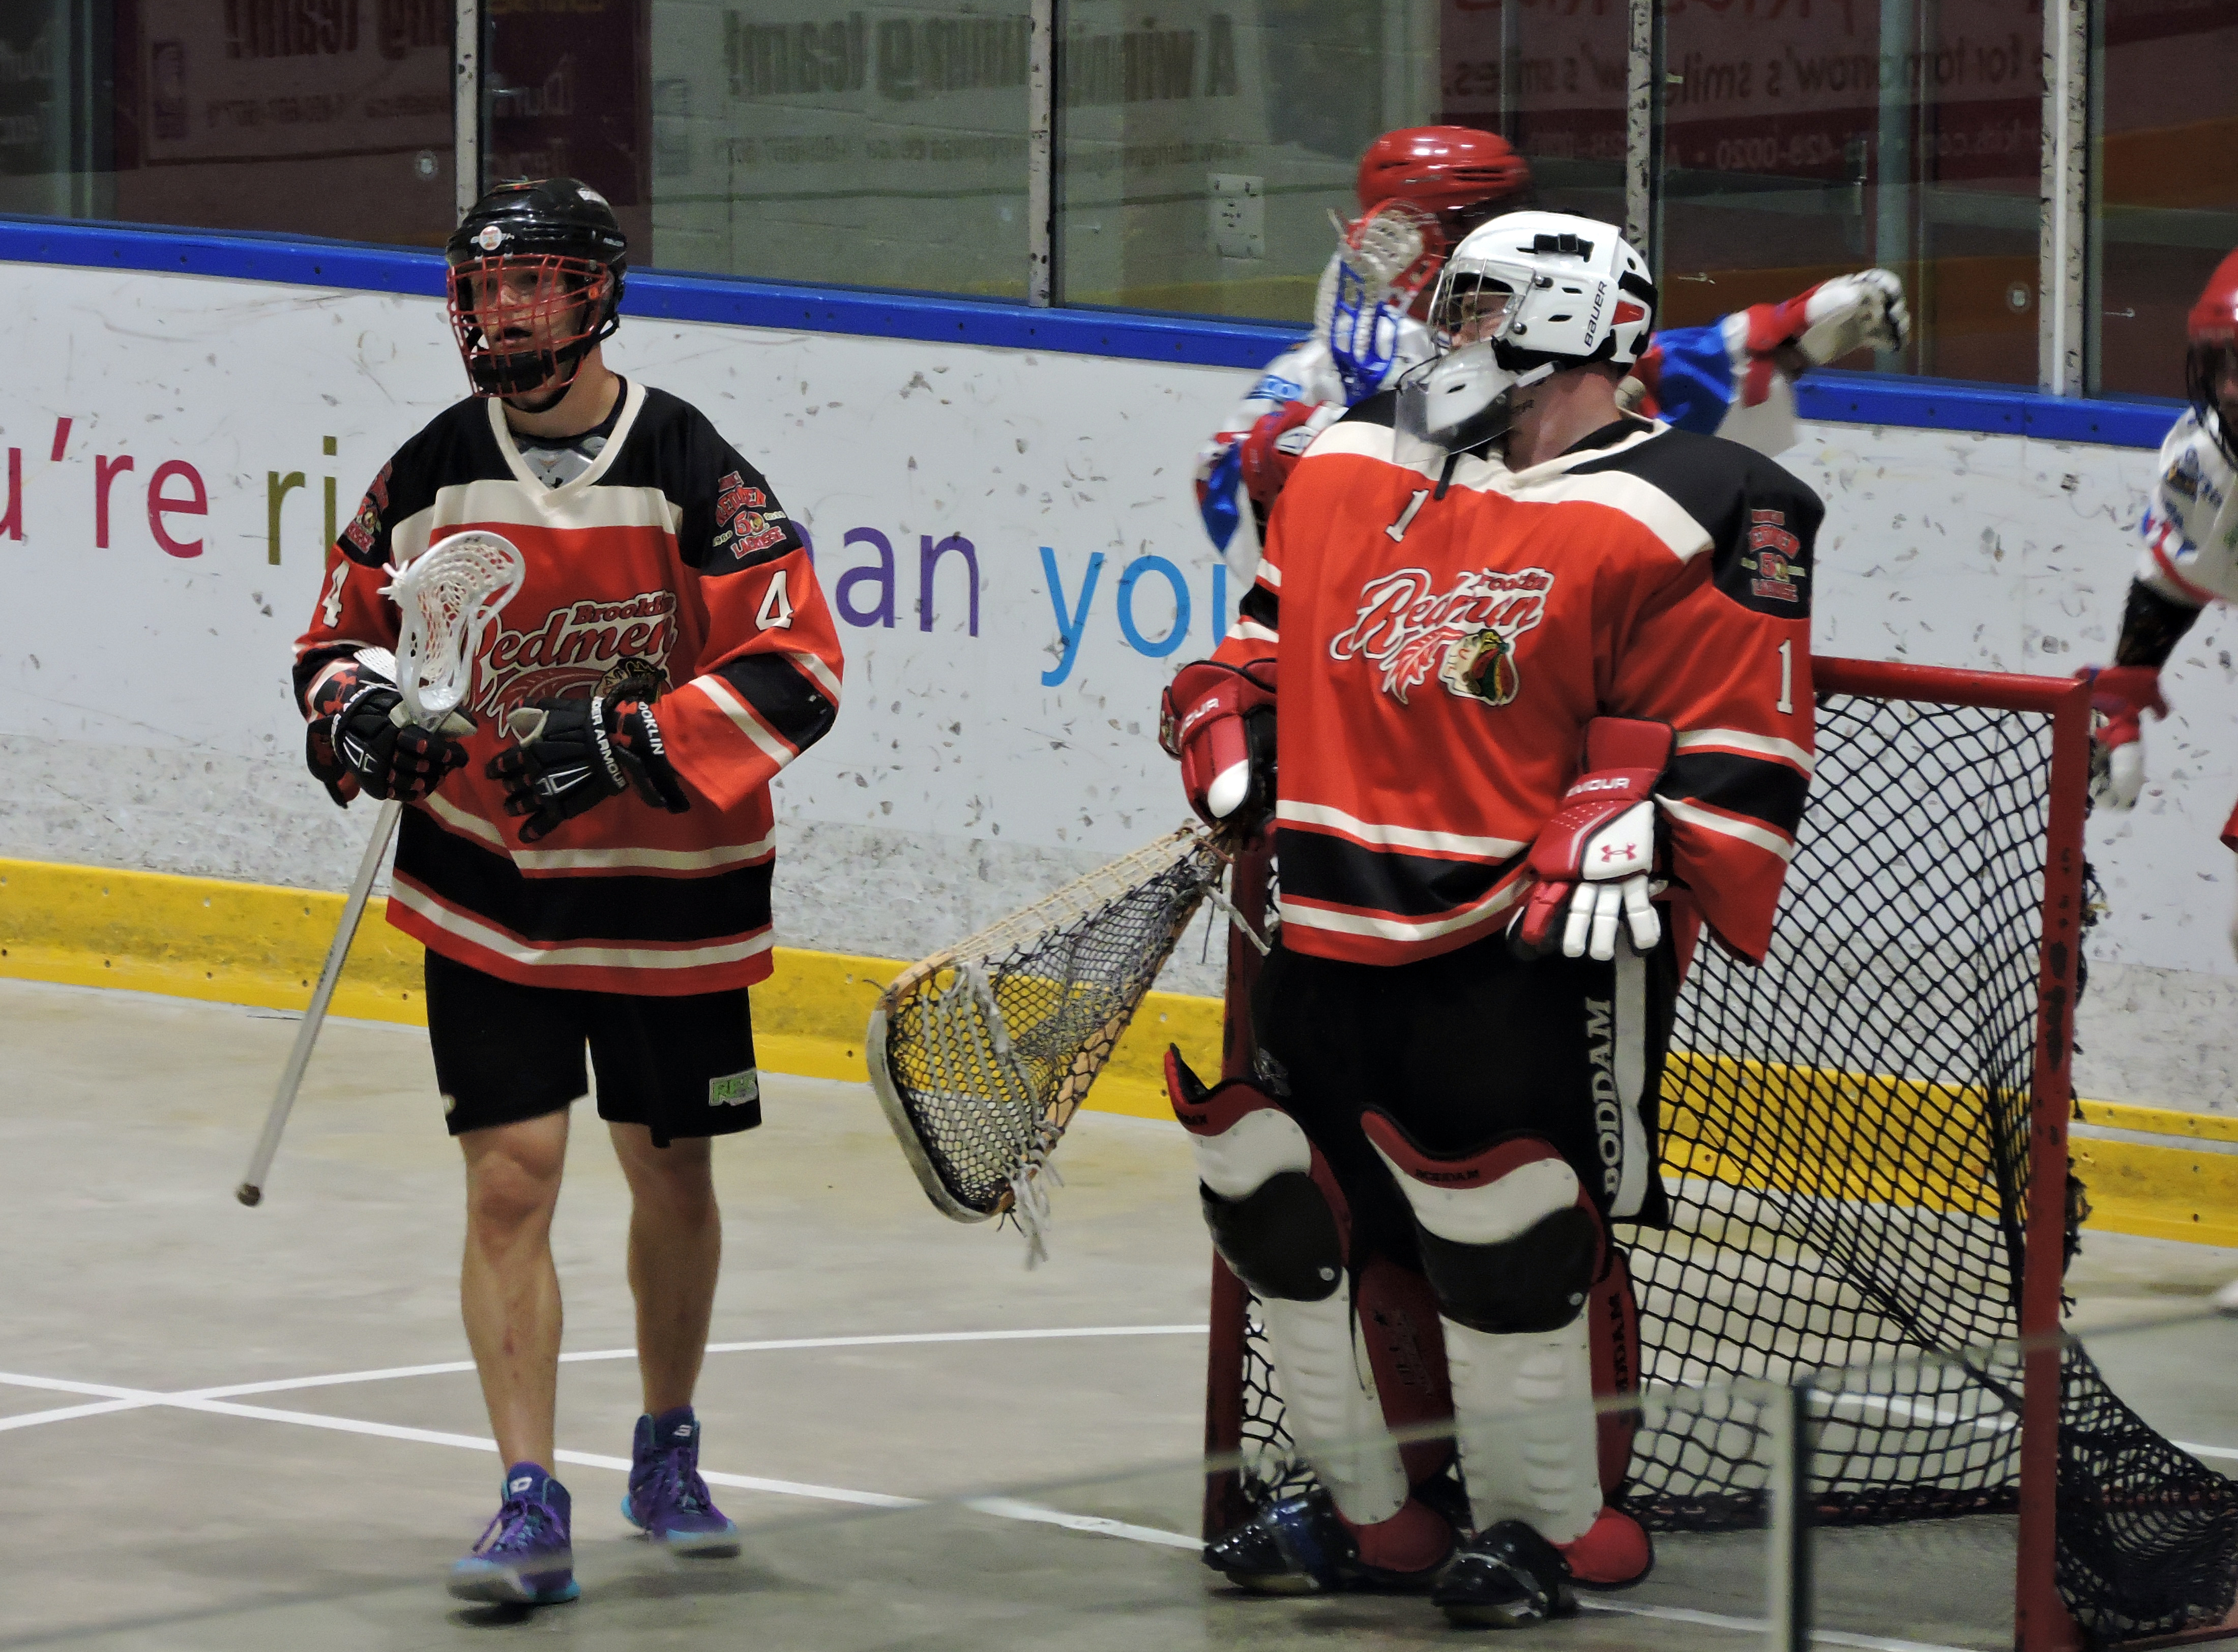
point(982, 1053)
point(1864, 1143)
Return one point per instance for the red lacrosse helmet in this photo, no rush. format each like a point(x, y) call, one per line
point(1459, 174)
point(2213, 330)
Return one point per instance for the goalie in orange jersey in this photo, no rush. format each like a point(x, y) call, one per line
point(1538, 674)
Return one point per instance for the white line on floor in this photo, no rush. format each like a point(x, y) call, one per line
point(998, 1507)
point(1011, 1509)
point(128, 1397)
point(452, 1367)
point(63, 1414)
point(1758, 1626)
point(2204, 1450)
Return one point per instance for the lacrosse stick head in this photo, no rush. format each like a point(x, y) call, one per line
point(448, 596)
point(982, 1053)
point(1385, 258)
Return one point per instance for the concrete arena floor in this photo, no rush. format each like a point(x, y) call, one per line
point(170, 1478)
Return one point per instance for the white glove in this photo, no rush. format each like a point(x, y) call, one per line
point(1615, 885)
point(1852, 312)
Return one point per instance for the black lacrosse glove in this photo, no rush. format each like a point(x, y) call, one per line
point(359, 740)
point(575, 753)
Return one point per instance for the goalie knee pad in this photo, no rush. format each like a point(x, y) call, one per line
point(1512, 1245)
point(1276, 1215)
point(1281, 1223)
point(1510, 1239)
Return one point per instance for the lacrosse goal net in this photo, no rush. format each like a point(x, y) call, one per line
point(1864, 1143)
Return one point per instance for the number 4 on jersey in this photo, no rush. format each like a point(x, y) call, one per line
point(777, 608)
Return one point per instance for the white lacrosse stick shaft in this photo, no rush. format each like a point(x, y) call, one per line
point(459, 585)
point(251, 1190)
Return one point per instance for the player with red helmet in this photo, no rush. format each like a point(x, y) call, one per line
point(2191, 549)
point(1422, 189)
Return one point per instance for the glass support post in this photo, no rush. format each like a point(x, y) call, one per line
point(1788, 1562)
point(1639, 133)
point(2063, 244)
point(467, 104)
point(1895, 188)
point(1040, 153)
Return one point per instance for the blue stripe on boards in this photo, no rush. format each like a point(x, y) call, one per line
point(1843, 398)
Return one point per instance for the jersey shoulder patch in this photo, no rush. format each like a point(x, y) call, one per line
point(453, 448)
point(1761, 520)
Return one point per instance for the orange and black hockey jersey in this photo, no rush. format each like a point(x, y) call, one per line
point(666, 568)
point(1441, 652)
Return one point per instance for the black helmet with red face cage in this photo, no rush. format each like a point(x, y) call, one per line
point(536, 281)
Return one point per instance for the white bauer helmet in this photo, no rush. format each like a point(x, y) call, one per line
point(1520, 299)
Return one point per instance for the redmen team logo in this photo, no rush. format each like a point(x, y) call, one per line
point(1466, 637)
point(614, 648)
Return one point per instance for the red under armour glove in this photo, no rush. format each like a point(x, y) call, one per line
point(573, 755)
point(1219, 720)
point(1272, 448)
point(2120, 696)
point(359, 740)
point(1595, 858)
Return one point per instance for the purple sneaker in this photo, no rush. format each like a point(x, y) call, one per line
point(525, 1557)
point(667, 1499)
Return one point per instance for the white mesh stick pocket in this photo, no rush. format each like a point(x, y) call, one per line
point(448, 596)
point(982, 1053)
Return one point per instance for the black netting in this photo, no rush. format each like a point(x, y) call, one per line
point(988, 1049)
point(2148, 1536)
point(1845, 1145)
point(1845, 1131)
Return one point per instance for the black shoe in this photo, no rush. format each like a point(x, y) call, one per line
point(1295, 1545)
point(1504, 1578)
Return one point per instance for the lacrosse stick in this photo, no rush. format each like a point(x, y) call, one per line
point(1382, 262)
point(982, 1053)
point(446, 595)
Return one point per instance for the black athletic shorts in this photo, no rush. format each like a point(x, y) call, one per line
point(1465, 1049)
point(681, 1066)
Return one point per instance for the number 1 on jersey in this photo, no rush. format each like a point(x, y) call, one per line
point(1398, 530)
point(1786, 677)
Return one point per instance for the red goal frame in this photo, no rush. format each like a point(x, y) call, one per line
point(2042, 1621)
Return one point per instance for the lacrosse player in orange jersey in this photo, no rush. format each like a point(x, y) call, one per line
point(589, 866)
point(1538, 672)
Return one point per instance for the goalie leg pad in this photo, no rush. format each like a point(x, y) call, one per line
point(1407, 1351)
point(1612, 1319)
point(1279, 1221)
point(1510, 1239)
point(1512, 1244)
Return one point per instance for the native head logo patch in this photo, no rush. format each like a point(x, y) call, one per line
point(1465, 636)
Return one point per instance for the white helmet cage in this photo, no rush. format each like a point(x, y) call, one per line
point(1578, 292)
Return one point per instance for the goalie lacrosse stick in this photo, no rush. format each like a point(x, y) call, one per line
point(1384, 260)
point(982, 1053)
point(448, 596)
